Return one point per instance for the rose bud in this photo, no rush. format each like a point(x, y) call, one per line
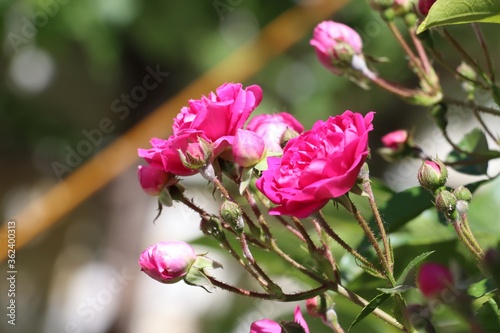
point(398, 144)
point(433, 279)
point(153, 179)
point(432, 175)
point(275, 129)
point(335, 45)
point(167, 262)
point(197, 155)
point(424, 6)
point(269, 326)
point(395, 140)
point(248, 148)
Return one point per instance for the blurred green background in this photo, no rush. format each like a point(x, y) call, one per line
point(66, 65)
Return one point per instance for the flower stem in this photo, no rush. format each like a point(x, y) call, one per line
point(484, 47)
point(413, 58)
point(329, 231)
point(373, 240)
point(327, 251)
point(367, 188)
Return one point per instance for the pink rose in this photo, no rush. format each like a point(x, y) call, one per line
point(153, 179)
point(331, 40)
point(318, 165)
point(219, 115)
point(167, 262)
point(433, 279)
point(272, 127)
point(269, 326)
point(395, 140)
point(215, 119)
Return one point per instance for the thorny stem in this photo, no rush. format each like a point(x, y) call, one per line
point(420, 50)
point(413, 58)
point(272, 243)
point(393, 88)
point(464, 220)
point(371, 237)
point(461, 234)
point(329, 231)
point(326, 250)
point(283, 298)
point(255, 208)
point(484, 47)
point(367, 188)
point(248, 255)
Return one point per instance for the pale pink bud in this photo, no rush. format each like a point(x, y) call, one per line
point(274, 129)
point(152, 179)
point(248, 148)
point(167, 262)
point(335, 44)
point(395, 140)
point(425, 5)
point(433, 279)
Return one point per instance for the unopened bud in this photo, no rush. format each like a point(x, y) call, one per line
point(167, 262)
point(232, 215)
point(335, 44)
point(446, 202)
point(462, 193)
point(432, 175)
point(434, 279)
point(248, 148)
point(153, 179)
point(197, 155)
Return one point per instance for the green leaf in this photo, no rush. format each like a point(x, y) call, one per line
point(396, 290)
point(448, 12)
point(489, 316)
point(372, 305)
point(481, 288)
point(417, 260)
point(472, 143)
point(404, 206)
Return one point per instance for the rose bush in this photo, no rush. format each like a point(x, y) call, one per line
point(318, 165)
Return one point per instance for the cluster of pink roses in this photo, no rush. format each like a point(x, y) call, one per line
point(315, 166)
